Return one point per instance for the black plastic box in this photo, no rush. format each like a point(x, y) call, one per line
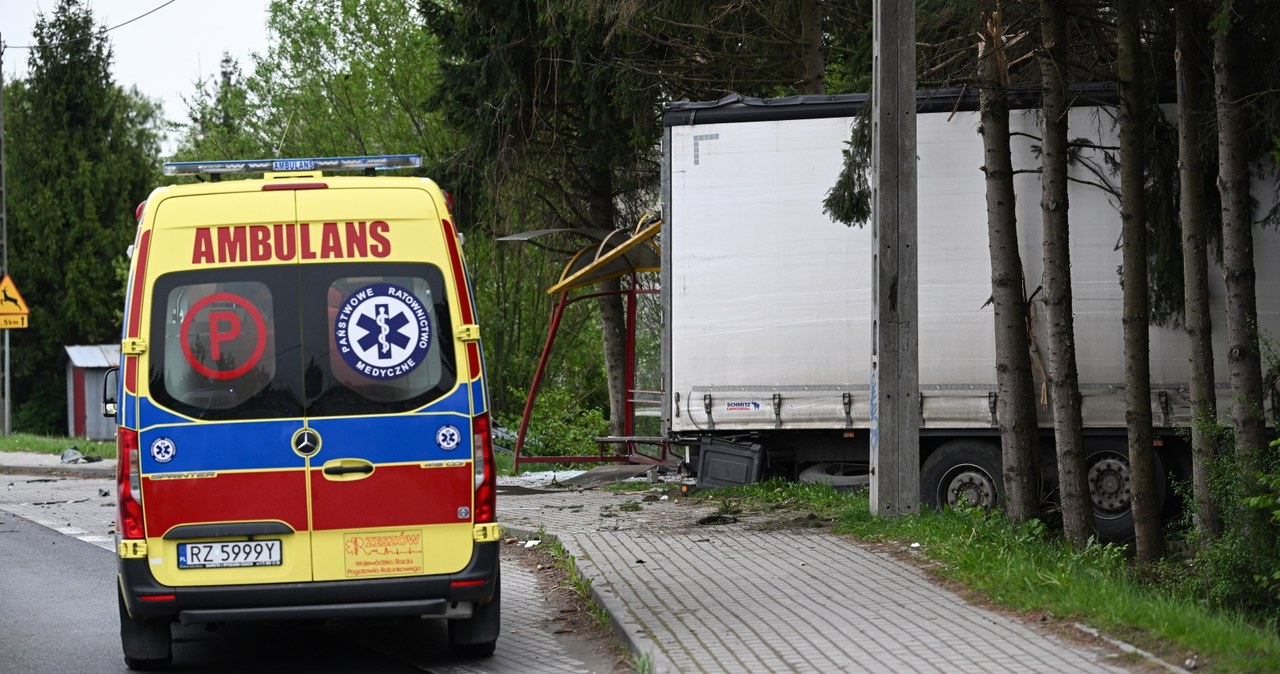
point(728, 464)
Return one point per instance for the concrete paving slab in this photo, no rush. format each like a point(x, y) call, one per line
point(732, 599)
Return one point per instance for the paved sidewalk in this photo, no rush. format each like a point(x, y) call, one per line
point(728, 598)
point(741, 597)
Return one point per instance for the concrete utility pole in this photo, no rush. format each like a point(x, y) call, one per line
point(895, 379)
point(4, 240)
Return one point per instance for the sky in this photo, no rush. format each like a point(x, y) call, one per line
point(162, 53)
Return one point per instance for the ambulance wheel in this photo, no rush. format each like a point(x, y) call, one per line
point(963, 473)
point(147, 644)
point(477, 636)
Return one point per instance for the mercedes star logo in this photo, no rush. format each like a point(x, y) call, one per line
point(306, 442)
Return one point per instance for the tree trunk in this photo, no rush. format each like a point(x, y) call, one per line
point(815, 66)
point(1243, 359)
point(1064, 385)
point(613, 322)
point(1136, 312)
point(1204, 404)
point(1015, 389)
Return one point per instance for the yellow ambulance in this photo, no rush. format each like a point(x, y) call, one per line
point(303, 424)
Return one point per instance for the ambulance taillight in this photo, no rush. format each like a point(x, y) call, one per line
point(482, 458)
point(128, 485)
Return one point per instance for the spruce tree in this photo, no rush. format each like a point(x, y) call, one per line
point(81, 156)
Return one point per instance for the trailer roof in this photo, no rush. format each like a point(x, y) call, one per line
point(735, 108)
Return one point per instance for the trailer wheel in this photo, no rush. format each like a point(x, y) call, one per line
point(1107, 470)
point(841, 475)
point(963, 472)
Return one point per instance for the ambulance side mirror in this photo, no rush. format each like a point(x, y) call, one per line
point(110, 383)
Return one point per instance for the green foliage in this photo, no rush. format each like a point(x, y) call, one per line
point(81, 155)
point(509, 280)
point(220, 122)
point(561, 424)
point(1268, 503)
point(849, 200)
point(1237, 571)
point(347, 77)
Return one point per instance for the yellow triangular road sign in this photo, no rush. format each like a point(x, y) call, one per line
point(11, 302)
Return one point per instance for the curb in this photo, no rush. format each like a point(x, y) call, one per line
point(99, 470)
point(633, 634)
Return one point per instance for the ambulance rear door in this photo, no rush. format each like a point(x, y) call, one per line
point(391, 478)
point(225, 493)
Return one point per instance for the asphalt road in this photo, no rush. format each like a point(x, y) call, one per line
point(52, 616)
point(58, 613)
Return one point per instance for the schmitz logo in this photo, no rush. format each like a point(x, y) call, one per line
point(383, 331)
point(747, 406)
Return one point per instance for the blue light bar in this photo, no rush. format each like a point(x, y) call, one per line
point(378, 162)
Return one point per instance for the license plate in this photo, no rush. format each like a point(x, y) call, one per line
point(227, 554)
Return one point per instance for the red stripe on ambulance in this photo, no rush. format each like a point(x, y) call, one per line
point(394, 496)
point(227, 497)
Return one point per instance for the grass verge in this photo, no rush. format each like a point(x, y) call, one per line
point(580, 584)
point(22, 442)
point(1027, 569)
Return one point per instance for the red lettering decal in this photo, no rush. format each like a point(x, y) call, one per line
point(381, 244)
point(259, 243)
point(357, 240)
point(231, 244)
point(217, 335)
point(202, 252)
point(330, 241)
point(307, 252)
point(224, 328)
point(285, 243)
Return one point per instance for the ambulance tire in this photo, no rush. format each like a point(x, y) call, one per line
point(477, 636)
point(147, 644)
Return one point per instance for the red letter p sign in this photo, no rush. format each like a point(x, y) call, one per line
point(224, 331)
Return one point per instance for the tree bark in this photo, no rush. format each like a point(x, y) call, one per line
point(1136, 311)
point(1064, 385)
point(613, 322)
point(1243, 356)
point(1195, 265)
point(1015, 388)
point(815, 65)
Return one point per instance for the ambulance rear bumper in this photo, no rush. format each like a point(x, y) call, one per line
point(448, 595)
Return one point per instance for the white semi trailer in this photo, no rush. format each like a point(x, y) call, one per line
point(768, 305)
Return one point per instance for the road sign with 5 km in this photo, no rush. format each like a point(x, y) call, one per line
point(13, 309)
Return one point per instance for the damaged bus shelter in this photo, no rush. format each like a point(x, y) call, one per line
point(624, 252)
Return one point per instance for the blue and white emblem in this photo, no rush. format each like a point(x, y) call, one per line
point(383, 331)
point(448, 437)
point(163, 450)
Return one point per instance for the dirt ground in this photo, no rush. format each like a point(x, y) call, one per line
point(572, 619)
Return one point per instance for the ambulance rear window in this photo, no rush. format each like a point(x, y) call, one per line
point(389, 346)
point(301, 340)
point(222, 353)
